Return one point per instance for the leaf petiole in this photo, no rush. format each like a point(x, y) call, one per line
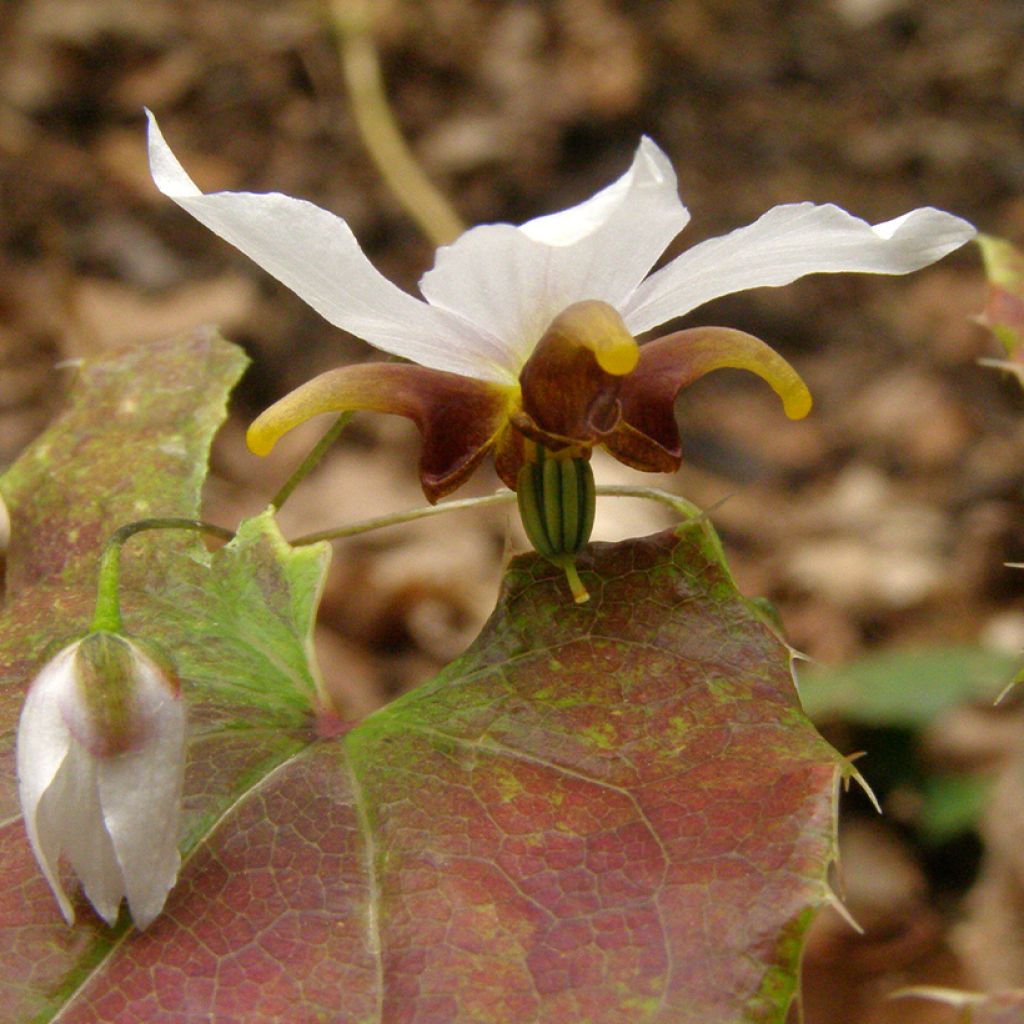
point(107, 616)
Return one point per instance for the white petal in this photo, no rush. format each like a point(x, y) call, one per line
point(315, 254)
point(140, 794)
point(84, 837)
point(789, 242)
point(42, 747)
point(650, 173)
point(514, 281)
point(43, 738)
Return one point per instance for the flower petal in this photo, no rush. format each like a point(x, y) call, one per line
point(514, 281)
point(42, 747)
point(315, 254)
point(84, 837)
point(667, 365)
point(459, 418)
point(787, 243)
point(650, 171)
point(140, 797)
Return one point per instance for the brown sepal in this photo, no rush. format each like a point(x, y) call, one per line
point(648, 437)
point(459, 417)
point(567, 398)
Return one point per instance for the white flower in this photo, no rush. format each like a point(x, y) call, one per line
point(100, 754)
point(492, 293)
point(499, 294)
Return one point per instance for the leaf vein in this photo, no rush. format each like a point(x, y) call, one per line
point(373, 937)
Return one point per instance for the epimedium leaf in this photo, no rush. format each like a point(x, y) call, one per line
point(252, 609)
point(132, 444)
point(237, 623)
point(609, 812)
point(612, 812)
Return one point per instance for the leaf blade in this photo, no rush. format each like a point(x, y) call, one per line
point(614, 812)
point(565, 782)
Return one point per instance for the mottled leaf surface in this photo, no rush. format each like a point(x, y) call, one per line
point(607, 813)
point(603, 813)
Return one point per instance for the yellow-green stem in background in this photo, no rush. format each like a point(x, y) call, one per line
point(353, 22)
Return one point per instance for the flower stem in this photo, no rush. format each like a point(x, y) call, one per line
point(426, 205)
point(108, 603)
point(686, 510)
point(408, 516)
point(310, 461)
point(579, 592)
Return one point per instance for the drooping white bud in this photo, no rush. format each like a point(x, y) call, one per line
point(101, 754)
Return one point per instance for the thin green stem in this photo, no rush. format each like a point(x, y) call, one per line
point(686, 510)
point(108, 602)
point(310, 461)
point(408, 516)
point(579, 592)
point(352, 20)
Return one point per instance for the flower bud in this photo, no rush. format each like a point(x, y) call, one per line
point(101, 754)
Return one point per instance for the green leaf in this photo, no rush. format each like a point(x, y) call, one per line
point(251, 606)
point(608, 813)
point(907, 688)
point(894, 696)
point(952, 804)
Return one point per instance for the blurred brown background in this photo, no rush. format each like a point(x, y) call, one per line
point(881, 523)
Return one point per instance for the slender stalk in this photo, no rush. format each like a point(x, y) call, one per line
point(310, 461)
point(579, 592)
point(108, 602)
point(684, 508)
point(352, 20)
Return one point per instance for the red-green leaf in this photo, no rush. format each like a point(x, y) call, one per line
point(608, 813)
point(1004, 309)
point(614, 812)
